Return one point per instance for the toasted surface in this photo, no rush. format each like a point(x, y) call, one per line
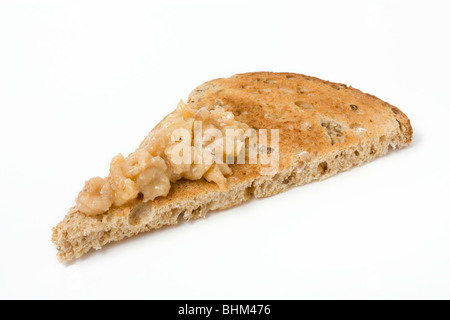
point(325, 128)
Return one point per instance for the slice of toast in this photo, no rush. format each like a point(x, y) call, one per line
point(324, 128)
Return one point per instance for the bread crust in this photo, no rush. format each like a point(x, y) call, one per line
point(325, 128)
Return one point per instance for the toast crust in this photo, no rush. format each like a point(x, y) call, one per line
point(325, 128)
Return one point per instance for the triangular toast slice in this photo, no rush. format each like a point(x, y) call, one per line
point(324, 128)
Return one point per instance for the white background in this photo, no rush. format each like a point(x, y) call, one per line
point(81, 81)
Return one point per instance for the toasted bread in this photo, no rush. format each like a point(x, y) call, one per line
point(325, 128)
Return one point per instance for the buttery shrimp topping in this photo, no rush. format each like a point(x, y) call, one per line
point(172, 151)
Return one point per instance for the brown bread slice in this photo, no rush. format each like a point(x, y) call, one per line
point(325, 128)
